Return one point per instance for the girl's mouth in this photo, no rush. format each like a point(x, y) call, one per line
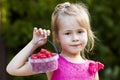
point(76, 45)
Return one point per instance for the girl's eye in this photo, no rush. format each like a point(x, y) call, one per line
point(80, 31)
point(67, 33)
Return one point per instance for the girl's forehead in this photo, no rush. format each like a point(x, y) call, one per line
point(69, 23)
point(71, 28)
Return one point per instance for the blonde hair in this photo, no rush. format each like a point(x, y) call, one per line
point(81, 13)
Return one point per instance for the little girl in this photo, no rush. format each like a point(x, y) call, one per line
point(72, 34)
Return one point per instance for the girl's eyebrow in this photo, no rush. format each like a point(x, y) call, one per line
point(76, 29)
point(80, 29)
point(68, 30)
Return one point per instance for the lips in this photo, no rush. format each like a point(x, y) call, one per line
point(76, 45)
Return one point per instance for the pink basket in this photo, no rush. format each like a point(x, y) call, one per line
point(44, 65)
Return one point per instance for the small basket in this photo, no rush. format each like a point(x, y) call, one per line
point(44, 65)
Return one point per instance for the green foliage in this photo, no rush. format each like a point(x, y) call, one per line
point(20, 16)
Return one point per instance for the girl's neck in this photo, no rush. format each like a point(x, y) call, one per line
point(75, 58)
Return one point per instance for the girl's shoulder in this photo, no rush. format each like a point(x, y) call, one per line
point(94, 66)
point(95, 63)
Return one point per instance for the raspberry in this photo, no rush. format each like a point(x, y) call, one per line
point(42, 54)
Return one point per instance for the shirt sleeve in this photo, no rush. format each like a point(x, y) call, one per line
point(95, 67)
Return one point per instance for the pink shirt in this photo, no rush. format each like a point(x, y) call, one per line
point(73, 71)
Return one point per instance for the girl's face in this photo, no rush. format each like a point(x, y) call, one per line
point(71, 36)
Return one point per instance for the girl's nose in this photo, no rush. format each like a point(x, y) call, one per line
point(75, 38)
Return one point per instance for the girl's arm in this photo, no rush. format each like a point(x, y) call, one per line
point(96, 76)
point(18, 65)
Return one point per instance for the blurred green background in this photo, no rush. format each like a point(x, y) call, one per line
point(18, 17)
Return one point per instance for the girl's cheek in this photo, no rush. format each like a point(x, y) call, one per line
point(83, 38)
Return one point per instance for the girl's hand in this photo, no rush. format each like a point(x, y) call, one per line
point(40, 34)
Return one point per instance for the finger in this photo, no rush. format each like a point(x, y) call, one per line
point(35, 29)
point(48, 32)
point(45, 33)
point(37, 32)
point(41, 31)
